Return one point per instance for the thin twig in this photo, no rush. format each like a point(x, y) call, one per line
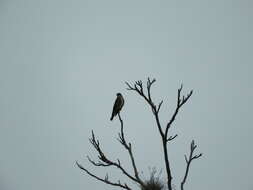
point(137, 87)
point(180, 103)
point(105, 180)
point(172, 137)
point(128, 146)
point(104, 161)
point(188, 162)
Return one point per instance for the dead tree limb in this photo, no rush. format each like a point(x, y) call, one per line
point(138, 87)
point(104, 161)
point(128, 147)
point(188, 162)
point(104, 180)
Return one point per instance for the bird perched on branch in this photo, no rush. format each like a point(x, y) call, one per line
point(118, 104)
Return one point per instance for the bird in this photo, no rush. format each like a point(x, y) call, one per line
point(118, 104)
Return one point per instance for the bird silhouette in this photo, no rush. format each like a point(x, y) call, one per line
point(118, 104)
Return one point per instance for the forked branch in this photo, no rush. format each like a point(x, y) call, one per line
point(104, 161)
point(128, 147)
point(138, 87)
point(180, 102)
point(188, 162)
point(105, 179)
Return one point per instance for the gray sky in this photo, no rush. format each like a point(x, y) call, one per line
point(62, 62)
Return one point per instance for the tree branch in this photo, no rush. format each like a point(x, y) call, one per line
point(180, 102)
point(104, 161)
point(128, 146)
point(137, 87)
point(172, 137)
point(188, 162)
point(105, 180)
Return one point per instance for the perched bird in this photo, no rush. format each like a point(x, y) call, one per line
point(118, 104)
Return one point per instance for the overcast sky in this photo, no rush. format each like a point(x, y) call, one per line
point(62, 63)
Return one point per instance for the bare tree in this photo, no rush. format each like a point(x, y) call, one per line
point(104, 161)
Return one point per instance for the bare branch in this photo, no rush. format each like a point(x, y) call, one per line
point(97, 163)
point(197, 156)
point(129, 86)
point(149, 84)
point(172, 137)
point(105, 180)
point(137, 87)
point(180, 102)
point(129, 149)
point(159, 106)
point(188, 162)
point(104, 161)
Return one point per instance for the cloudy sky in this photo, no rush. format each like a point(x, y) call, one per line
point(62, 63)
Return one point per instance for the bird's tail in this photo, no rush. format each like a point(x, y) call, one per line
point(111, 117)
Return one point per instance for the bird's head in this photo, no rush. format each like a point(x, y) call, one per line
point(118, 94)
